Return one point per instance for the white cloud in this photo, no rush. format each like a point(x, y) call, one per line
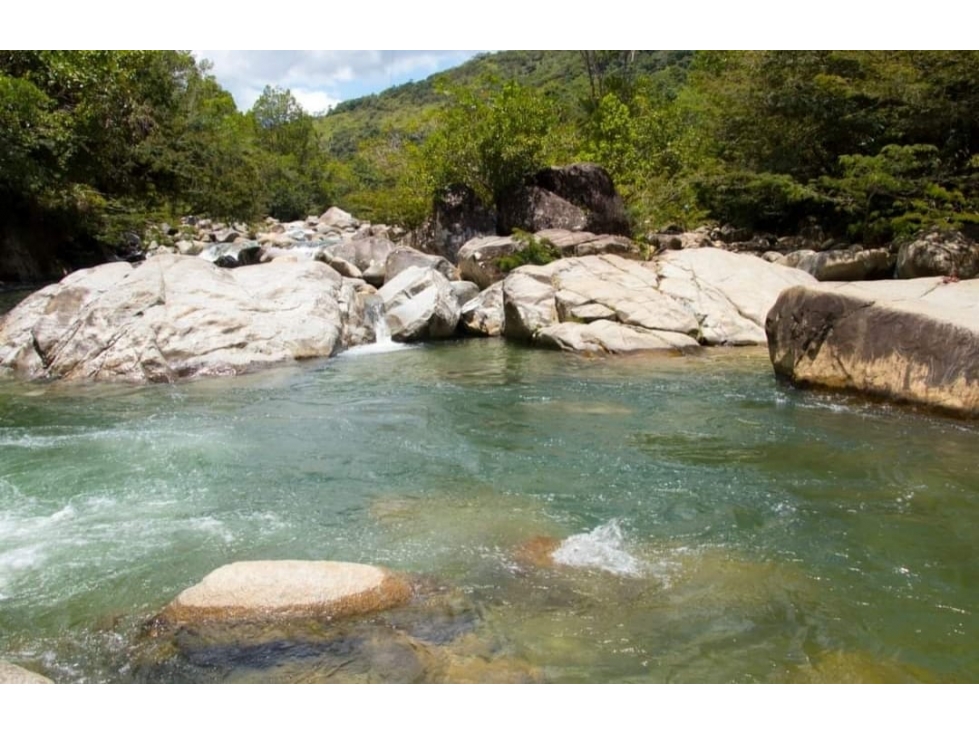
point(314, 101)
point(323, 78)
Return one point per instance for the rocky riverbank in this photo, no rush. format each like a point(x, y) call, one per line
point(213, 298)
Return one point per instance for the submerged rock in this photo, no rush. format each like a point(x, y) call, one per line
point(842, 666)
point(10, 673)
point(252, 591)
point(911, 341)
point(171, 318)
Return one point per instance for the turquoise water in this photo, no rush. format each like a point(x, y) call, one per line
point(713, 525)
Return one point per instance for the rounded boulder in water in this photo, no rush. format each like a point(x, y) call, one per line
point(281, 590)
point(10, 673)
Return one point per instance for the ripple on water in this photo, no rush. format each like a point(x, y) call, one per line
point(705, 523)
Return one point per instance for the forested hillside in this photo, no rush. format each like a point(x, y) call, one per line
point(868, 146)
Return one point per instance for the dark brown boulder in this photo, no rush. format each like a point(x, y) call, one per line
point(532, 208)
point(458, 216)
point(589, 187)
point(939, 253)
point(581, 196)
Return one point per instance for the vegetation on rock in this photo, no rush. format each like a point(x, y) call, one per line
point(536, 251)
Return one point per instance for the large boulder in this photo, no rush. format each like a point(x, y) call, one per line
point(173, 317)
point(939, 254)
point(581, 196)
point(911, 341)
point(420, 304)
point(531, 208)
point(10, 673)
point(729, 293)
point(368, 254)
point(337, 218)
point(840, 265)
point(465, 291)
point(261, 591)
point(483, 315)
point(459, 216)
point(589, 187)
point(402, 258)
point(479, 259)
point(705, 296)
point(528, 303)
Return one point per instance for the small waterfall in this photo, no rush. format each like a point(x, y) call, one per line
point(374, 314)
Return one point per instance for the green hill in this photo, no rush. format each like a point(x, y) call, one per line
point(866, 146)
point(558, 75)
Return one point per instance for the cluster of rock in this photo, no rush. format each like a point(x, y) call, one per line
point(934, 253)
point(580, 197)
point(315, 287)
point(606, 303)
point(178, 316)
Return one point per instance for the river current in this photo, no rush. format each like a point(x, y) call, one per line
point(642, 519)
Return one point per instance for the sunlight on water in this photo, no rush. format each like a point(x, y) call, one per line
point(602, 548)
point(642, 519)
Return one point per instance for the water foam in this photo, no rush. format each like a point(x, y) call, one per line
point(602, 548)
point(382, 335)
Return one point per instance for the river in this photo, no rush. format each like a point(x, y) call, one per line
point(710, 525)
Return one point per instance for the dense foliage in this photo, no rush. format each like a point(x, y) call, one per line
point(865, 145)
point(869, 146)
point(93, 143)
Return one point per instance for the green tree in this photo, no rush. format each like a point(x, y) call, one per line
point(292, 164)
point(490, 138)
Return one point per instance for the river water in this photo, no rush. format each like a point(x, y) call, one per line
point(644, 519)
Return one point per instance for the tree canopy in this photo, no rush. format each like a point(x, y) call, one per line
point(94, 143)
point(867, 145)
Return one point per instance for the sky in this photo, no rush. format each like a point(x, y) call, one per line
point(320, 79)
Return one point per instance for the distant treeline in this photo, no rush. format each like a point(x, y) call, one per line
point(866, 145)
point(95, 143)
point(870, 146)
